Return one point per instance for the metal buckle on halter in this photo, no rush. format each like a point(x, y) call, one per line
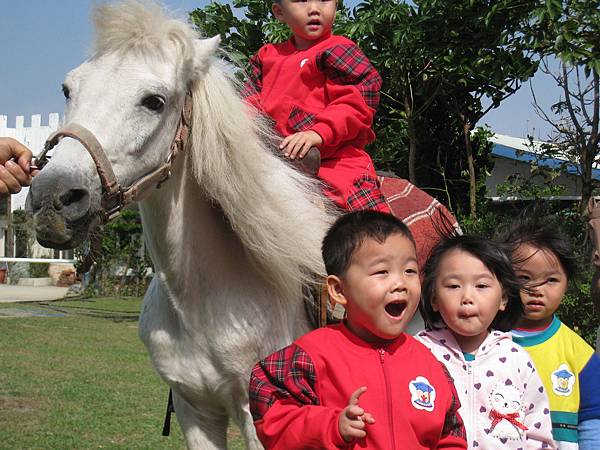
point(165, 178)
point(115, 211)
point(168, 162)
point(39, 163)
point(42, 159)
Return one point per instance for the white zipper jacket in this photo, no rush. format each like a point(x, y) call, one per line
point(503, 402)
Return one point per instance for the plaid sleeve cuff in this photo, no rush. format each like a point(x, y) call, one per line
point(366, 195)
point(287, 375)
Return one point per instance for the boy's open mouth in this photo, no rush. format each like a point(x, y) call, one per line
point(395, 309)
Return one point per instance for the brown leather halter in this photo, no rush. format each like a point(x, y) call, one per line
point(114, 196)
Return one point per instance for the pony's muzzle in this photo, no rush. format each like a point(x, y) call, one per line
point(61, 208)
point(52, 230)
point(72, 203)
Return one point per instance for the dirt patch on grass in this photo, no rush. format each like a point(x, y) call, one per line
point(18, 406)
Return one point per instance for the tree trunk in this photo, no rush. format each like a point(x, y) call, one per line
point(10, 230)
point(412, 144)
point(591, 149)
point(471, 164)
point(587, 184)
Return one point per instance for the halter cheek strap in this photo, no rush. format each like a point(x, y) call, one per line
point(114, 196)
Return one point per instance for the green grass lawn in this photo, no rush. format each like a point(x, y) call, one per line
point(81, 380)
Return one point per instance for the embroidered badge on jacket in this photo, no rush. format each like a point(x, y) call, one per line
point(422, 394)
point(507, 413)
point(563, 380)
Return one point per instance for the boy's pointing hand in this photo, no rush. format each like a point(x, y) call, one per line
point(353, 419)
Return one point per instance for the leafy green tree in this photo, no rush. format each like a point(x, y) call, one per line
point(483, 56)
point(24, 233)
point(394, 36)
point(241, 37)
point(570, 30)
point(113, 253)
point(450, 54)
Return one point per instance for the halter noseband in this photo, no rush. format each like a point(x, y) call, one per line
point(114, 196)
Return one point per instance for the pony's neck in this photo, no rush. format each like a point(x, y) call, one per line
point(185, 231)
point(205, 268)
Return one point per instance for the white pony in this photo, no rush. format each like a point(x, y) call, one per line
point(234, 233)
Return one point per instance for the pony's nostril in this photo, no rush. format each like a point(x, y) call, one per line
point(72, 196)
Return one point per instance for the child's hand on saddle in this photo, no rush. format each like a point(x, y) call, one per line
point(15, 164)
point(298, 144)
point(353, 419)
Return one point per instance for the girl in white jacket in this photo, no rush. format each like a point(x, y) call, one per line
point(470, 299)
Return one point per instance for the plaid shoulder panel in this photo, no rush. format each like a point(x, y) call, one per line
point(300, 120)
point(254, 72)
point(347, 64)
point(453, 423)
point(366, 195)
point(288, 374)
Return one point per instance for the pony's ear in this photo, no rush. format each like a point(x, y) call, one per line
point(205, 49)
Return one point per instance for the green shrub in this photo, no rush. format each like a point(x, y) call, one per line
point(38, 270)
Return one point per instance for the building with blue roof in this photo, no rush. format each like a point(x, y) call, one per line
point(515, 156)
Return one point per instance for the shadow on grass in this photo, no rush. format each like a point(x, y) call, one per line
point(101, 313)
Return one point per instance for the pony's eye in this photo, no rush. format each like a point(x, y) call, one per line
point(66, 91)
point(154, 103)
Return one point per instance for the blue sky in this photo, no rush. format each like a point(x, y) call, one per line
point(41, 40)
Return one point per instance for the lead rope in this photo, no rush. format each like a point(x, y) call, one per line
point(166, 431)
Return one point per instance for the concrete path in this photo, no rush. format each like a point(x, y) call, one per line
point(10, 293)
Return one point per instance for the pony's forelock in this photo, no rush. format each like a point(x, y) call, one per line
point(142, 27)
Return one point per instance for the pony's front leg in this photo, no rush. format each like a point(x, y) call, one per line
point(242, 417)
point(202, 430)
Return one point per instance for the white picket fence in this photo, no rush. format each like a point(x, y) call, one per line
point(32, 136)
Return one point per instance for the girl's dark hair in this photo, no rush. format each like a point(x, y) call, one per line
point(495, 256)
point(539, 231)
point(351, 230)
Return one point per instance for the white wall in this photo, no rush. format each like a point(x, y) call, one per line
point(504, 167)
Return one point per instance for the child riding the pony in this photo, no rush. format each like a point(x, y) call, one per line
point(321, 91)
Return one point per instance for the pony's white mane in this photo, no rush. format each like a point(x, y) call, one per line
point(141, 27)
point(278, 214)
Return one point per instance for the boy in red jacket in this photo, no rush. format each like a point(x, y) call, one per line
point(362, 383)
point(321, 91)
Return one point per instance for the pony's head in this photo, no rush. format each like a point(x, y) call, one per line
point(130, 96)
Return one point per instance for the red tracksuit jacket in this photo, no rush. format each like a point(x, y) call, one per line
point(297, 394)
point(332, 89)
